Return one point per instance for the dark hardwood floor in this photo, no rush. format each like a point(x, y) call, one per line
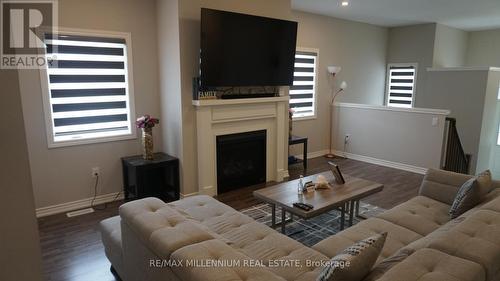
point(399, 186)
point(72, 249)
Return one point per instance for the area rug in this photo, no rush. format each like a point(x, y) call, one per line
point(311, 231)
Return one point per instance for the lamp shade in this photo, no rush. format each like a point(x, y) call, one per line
point(334, 69)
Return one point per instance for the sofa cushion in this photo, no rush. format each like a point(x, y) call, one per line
point(420, 214)
point(467, 197)
point(476, 238)
point(353, 263)
point(227, 264)
point(260, 242)
point(254, 240)
point(397, 237)
point(160, 227)
point(380, 269)
point(442, 185)
point(201, 207)
point(433, 265)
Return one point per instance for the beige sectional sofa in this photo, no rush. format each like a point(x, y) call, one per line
point(152, 240)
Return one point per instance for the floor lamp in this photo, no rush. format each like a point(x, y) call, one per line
point(343, 86)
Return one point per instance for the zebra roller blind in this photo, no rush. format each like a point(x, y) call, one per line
point(401, 85)
point(303, 90)
point(88, 87)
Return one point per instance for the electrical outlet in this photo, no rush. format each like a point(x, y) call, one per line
point(96, 172)
point(434, 121)
point(347, 138)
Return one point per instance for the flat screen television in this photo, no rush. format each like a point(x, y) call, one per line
point(244, 50)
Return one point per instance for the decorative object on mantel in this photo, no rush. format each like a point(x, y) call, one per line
point(146, 123)
point(290, 122)
point(343, 86)
point(207, 95)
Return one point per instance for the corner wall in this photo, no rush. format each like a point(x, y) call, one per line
point(483, 48)
point(20, 256)
point(169, 73)
point(409, 44)
point(450, 46)
point(63, 175)
point(360, 49)
point(189, 31)
point(463, 93)
point(489, 151)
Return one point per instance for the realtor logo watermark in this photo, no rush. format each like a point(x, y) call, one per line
point(23, 26)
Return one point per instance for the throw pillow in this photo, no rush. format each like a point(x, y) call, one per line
point(484, 182)
point(355, 262)
point(467, 197)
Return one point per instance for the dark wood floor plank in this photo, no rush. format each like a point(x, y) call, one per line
point(72, 248)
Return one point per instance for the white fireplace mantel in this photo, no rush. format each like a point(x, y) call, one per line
point(230, 116)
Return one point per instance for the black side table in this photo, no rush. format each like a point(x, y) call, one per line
point(296, 140)
point(151, 178)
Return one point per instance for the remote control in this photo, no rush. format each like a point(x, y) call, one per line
point(303, 206)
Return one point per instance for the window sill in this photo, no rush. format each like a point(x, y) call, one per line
point(53, 145)
point(304, 118)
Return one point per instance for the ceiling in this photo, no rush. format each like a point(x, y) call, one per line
point(464, 14)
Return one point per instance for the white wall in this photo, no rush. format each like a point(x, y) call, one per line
point(169, 76)
point(482, 49)
point(359, 49)
point(20, 256)
point(463, 93)
point(402, 138)
point(489, 151)
point(450, 46)
point(410, 44)
point(189, 32)
point(63, 175)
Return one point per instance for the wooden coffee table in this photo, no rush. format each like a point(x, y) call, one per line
point(341, 197)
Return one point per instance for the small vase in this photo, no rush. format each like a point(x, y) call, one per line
point(147, 143)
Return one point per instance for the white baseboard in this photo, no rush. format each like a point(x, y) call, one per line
point(367, 159)
point(312, 154)
point(75, 205)
point(382, 162)
point(188, 195)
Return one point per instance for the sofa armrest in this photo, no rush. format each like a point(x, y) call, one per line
point(442, 185)
point(214, 260)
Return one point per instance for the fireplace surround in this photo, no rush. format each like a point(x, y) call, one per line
point(226, 117)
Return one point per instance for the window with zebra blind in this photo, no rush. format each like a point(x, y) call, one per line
point(303, 90)
point(89, 94)
point(401, 82)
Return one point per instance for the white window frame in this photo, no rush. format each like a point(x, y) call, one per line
point(498, 123)
point(315, 86)
point(44, 79)
point(388, 77)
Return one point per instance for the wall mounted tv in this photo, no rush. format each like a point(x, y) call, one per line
point(243, 50)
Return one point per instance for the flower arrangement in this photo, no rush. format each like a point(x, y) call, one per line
point(146, 121)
